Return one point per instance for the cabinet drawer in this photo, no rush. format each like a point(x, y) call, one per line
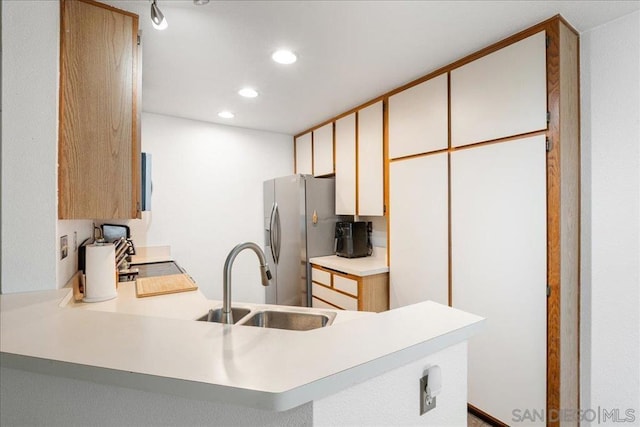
point(321, 276)
point(316, 303)
point(345, 284)
point(335, 298)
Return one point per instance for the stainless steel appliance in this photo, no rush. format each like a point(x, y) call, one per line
point(353, 239)
point(299, 219)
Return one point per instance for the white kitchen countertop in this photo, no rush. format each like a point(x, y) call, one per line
point(365, 266)
point(154, 344)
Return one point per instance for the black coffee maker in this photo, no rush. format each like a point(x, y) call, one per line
point(353, 239)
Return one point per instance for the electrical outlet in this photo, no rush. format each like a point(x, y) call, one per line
point(427, 402)
point(64, 246)
point(75, 241)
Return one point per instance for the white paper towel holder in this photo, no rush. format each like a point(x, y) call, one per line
point(100, 271)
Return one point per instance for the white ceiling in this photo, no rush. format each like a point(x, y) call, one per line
point(349, 51)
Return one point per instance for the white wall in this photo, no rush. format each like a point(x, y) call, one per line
point(610, 292)
point(207, 197)
point(32, 399)
point(391, 399)
point(30, 229)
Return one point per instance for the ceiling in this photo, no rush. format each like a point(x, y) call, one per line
point(348, 51)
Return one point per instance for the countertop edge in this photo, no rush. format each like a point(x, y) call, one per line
point(259, 399)
point(343, 265)
point(290, 393)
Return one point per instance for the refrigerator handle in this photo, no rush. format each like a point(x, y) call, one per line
point(271, 232)
point(278, 232)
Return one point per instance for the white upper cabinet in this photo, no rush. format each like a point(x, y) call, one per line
point(346, 165)
point(304, 154)
point(370, 161)
point(323, 150)
point(501, 94)
point(418, 119)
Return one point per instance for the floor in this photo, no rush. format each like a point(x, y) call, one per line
point(473, 421)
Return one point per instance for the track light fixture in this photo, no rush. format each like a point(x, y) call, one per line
point(157, 18)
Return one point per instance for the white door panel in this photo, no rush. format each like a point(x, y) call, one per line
point(418, 118)
point(346, 165)
point(304, 160)
point(498, 223)
point(370, 161)
point(501, 94)
point(323, 150)
point(419, 254)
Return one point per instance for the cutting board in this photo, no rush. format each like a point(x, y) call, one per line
point(160, 285)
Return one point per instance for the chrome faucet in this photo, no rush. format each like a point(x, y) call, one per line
point(265, 274)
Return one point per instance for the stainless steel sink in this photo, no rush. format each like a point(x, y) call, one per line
point(296, 321)
point(216, 315)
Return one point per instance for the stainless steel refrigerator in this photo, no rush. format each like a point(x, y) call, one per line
point(299, 222)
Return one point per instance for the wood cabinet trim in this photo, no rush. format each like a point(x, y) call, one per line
point(357, 113)
point(108, 7)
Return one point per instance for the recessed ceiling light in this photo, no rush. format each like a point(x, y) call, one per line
point(284, 56)
point(226, 114)
point(248, 92)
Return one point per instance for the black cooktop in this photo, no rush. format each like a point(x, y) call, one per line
point(153, 269)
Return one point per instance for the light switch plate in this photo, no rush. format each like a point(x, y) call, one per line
point(64, 246)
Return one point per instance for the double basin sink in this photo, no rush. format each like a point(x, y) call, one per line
point(278, 318)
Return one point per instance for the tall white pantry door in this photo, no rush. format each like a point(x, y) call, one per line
point(499, 253)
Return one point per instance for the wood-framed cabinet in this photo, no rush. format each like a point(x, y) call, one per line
point(334, 289)
point(513, 244)
point(359, 142)
point(323, 150)
point(482, 161)
point(346, 180)
point(370, 170)
point(418, 118)
point(99, 162)
point(303, 147)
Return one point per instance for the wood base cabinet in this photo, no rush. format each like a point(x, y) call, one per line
point(99, 140)
point(333, 289)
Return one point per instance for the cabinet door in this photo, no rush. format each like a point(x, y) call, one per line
point(418, 119)
point(346, 165)
point(323, 150)
point(99, 142)
point(499, 251)
point(501, 94)
point(304, 154)
point(418, 218)
point(370, 161)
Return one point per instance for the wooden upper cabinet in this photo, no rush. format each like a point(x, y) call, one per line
point(304, 154)
point(501, 94)
point(418, 119)
point(370, 161)
point(345, 145)
point(99, 138)
point(323, 150)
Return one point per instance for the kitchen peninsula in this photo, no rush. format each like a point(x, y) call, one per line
point(128, 360)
